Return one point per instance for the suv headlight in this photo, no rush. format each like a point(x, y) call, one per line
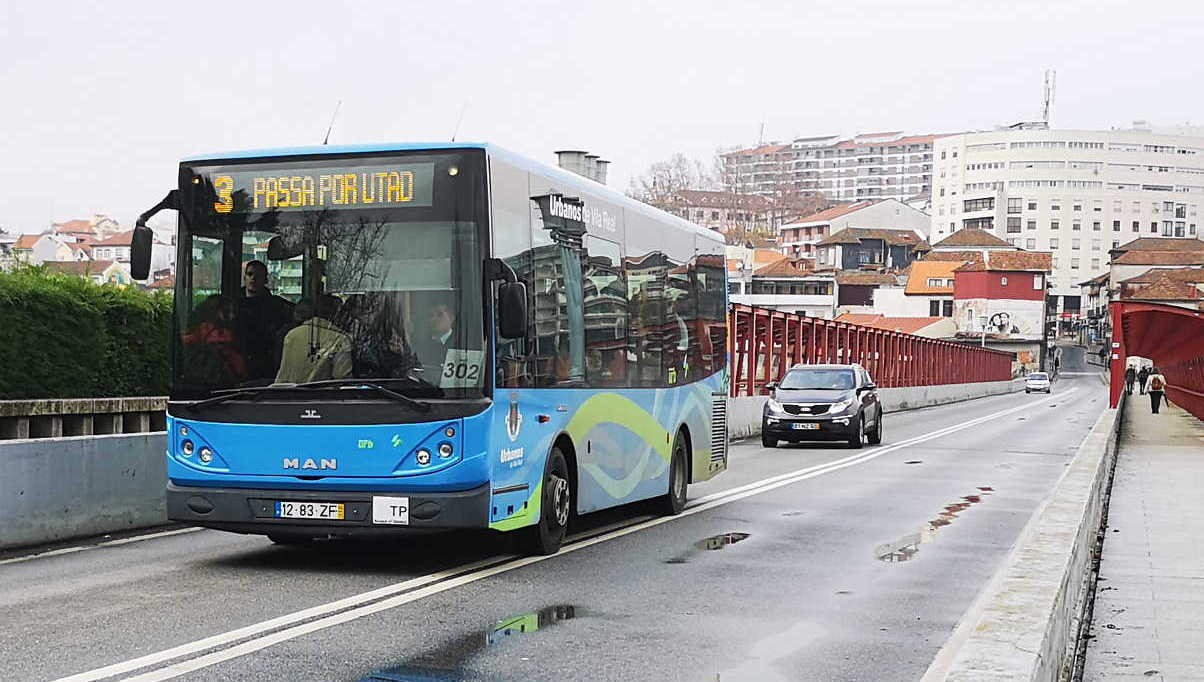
point(774, 406)
point(841, 406)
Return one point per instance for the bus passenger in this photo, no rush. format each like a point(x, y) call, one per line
point(262, 321)
point(316, 350)
point(210, 345)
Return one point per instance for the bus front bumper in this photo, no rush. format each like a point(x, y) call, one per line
point(244, 510)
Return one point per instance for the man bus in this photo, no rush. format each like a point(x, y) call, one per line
point(482, 341)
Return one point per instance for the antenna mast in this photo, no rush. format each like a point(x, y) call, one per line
point(332, 118)
point(1051, 84)
point(459, 120)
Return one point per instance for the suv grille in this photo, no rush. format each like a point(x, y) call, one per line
point(806, 409)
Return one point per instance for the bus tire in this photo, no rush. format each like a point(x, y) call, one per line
point(672, 502)
point(555, 508)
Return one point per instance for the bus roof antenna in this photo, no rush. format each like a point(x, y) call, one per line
point(330, 127)
point(459, 120)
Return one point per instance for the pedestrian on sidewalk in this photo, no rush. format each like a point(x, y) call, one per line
point(1156, 385)
point(1142, 376)
point(1130, 377)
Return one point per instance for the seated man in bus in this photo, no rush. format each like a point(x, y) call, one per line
point(261, 320)
point(432, 346)
point(317, 349)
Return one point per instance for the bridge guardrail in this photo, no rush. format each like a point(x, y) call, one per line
point(55, 418)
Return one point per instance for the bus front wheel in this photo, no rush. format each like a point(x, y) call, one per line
point(555, 507)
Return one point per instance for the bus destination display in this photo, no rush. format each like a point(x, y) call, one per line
point(380, 186)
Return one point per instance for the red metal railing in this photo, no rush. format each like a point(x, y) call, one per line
point(764, 343)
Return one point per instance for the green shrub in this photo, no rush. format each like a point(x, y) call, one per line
point(65, 337)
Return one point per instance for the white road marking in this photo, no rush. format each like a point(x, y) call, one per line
point(399, 594)
point(110, 543)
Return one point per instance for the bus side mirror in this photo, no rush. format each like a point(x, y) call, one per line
point(141, 244)
point(512, 310)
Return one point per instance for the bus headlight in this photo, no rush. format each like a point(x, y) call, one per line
point(187, 447)
point(445, 450)
point(206, 455)
point(449, 431)
point(423, 456)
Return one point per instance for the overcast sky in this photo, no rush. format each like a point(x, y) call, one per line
point(101, 99)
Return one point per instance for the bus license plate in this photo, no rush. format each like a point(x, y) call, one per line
point(310, 510)
point(805, 426)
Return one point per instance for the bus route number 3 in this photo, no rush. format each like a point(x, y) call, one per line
point(461, 368)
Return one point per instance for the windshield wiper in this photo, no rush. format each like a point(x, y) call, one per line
point(232, 393)
point(360, 383)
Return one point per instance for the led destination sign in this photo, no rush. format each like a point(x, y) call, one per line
point(379, 186)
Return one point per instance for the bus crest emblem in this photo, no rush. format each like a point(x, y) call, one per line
point(514, 418)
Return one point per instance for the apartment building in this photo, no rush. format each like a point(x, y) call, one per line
point(889, 165)
point(1075, 193)
point(800, 239)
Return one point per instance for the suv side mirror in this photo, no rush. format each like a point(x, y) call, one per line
point(141, 244)
point(771, 386)
point(867, 387)
point(512, 310)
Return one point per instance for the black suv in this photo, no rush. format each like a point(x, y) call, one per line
point(823, 402)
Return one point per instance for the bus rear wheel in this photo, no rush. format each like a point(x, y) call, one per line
point(555, 508)
point(674, 501)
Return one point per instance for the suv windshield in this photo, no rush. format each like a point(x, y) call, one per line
point(818, 379)
point(272, 291)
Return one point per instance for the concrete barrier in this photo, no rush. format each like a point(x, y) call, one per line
point(1026, 624)
point(60, 488)
point(55, 418)
point(744, 414)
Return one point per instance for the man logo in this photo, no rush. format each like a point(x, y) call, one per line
point(514, 418)
point(318, 465)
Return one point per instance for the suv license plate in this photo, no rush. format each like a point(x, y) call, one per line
point(805, 426)
point(310, 510)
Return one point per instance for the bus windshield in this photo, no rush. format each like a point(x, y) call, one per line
point(285, 294)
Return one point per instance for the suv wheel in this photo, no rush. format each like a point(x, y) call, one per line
point(856, 436)
point(875, 436)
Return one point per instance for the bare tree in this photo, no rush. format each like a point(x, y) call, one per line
point(662, 181)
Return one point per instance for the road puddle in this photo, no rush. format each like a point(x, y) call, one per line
point(914, 461)
point(720, 541)
point(446, 662)
point(908, 546)
point(713, 543)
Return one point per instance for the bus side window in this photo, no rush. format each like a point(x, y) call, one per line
point(605, 302)
point(511, 227)
point(711, 294)
point(679, 345)
point(645, 266)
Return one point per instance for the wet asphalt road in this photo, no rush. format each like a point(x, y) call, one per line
point(857, 573)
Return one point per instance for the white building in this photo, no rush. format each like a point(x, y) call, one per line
point(890, 165)
point(1075, 193)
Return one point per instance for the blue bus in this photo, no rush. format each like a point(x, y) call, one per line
point(371, 339)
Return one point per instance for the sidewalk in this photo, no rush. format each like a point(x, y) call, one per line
point(1148, 621)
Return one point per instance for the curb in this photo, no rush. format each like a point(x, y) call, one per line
point(1025, 625)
